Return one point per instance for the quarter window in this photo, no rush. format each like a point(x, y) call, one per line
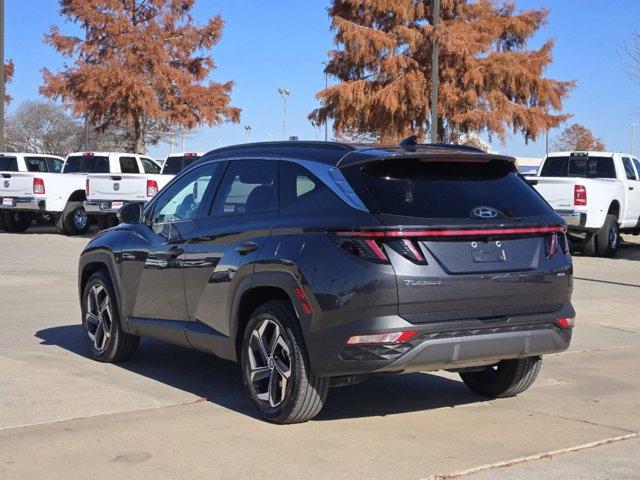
point(637, 164)
point(249, 186)
point(296, 182)
point(149, 166)
point(628, 169)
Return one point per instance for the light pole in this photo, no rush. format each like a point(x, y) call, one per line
point(284, 93)
point(326, 85)
point(2, 75)
point(435, 67)
point(633, 138)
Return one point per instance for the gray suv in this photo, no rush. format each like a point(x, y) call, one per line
point(316, 264)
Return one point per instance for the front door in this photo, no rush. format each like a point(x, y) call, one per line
point(153, 259)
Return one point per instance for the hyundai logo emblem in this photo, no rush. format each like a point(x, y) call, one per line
point(116, 186)
point(6, 184)
point(485, 212)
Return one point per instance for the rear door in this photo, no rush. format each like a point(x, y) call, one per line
point(465, 237)
point(226, 242)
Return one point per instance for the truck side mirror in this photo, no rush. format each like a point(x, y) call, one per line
point(131, 213)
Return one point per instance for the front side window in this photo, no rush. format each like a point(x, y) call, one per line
point(149, 166)
point(129, 165)
point(637, 164)
point(36, 164)
point(628, 168)
point(181, 201)
point(248, 186)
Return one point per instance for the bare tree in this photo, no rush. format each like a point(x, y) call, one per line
point(577, 137)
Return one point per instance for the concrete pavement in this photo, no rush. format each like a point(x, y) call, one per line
point(172, 413)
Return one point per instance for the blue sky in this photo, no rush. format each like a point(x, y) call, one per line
point(282, 43)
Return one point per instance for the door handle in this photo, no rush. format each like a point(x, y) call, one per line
point(630, 188)
point(246, 247)
point(175, 252)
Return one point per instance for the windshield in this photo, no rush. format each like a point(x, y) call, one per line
point(415, 188)
point(86, 164)
point(175, 165)
point(8, 164)
point(581, 166)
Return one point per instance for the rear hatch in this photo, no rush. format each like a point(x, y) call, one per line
point(466, 238)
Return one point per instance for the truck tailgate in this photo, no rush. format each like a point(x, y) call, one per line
point(557, 191)
point(117, 186)
point(16, 184)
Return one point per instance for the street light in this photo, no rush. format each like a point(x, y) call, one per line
point(284, 93)
point(633, 138)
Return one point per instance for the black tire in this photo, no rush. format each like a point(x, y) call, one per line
point(608, 238)
point(118, 345)
point(304, 393)
point(589, 247)
point(506, 379)
point(17, 222)
point(2, 221)
point(106, 221)
point(73, 220)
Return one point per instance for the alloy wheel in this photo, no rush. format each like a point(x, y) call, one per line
point(99, 317)
point(80, 218)
point(269, 363)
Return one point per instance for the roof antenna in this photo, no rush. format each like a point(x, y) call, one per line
point(409, 143)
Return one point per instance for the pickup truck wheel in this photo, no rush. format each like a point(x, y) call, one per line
point(275, 368)
point(589, 247)
point(2, 221)
point(16, 222)
point(608, 238)
point(506, 379)
point(101, 327)
point(73, 220)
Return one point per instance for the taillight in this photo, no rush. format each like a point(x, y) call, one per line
point(579, 195)
point(565, 323)
point(564, 243)
point(367, 249)
point(86, 188)
point(38, 186)
point(382, 338)
point(551, 245)
point(152, 188)
point(408, 248)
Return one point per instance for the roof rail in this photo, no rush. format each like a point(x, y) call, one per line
point(411, 143)
point(289, 143)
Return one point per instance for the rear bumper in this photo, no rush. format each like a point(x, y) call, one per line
point(572, 218)
point(443, 346)
point(103, 207)
point(27, 204)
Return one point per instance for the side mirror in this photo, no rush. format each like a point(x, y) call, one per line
point(131, 213)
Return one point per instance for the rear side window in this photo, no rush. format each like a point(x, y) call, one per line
point(149, 166)
point(427, 189)
point(129, 165)
point(637, 164)
point(36, 164)
point(8, 164)
point(174, 165)
point(296, 183)
point(55, 164)
point(86, 164)
point(248, 186)
point(628, 168)
point(581, 166)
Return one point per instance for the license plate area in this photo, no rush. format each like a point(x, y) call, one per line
point(116, 205)
point(7, 202)
point(489, 255)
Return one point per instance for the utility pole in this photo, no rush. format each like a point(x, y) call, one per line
point(633, 138)
point(435, 67)
point(2, 87)
point(284, 93)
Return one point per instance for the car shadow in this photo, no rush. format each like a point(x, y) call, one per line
point(220, 382)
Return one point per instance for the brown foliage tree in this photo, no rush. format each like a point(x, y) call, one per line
point(142, 66)
point(489, 81)
point(8, 76)
point(577, 137)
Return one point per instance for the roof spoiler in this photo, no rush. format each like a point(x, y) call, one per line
point(411, 144)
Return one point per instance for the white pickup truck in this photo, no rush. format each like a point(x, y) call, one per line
point(597, 193)
point(123, 178)
point(33, 184)
point(107, 193)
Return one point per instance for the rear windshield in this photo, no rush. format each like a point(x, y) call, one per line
point(415, 188)
point(86, 164)
point(579, 166)
point(8, 164)
point(175, 165)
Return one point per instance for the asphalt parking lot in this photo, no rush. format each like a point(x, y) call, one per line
point(175, 413)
